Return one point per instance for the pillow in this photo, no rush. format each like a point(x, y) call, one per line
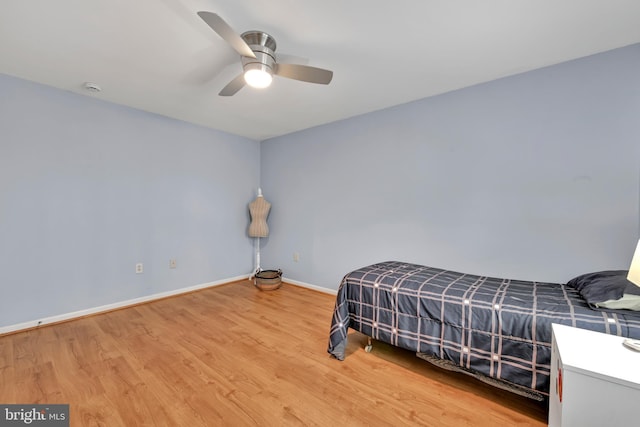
point(627, 302)
point(607, 289)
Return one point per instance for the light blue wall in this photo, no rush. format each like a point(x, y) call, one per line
point(534, 176)
point(89, 188)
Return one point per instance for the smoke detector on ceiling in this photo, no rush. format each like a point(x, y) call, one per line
point(92, 87)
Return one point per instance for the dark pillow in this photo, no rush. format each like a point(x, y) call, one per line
point(604, 286)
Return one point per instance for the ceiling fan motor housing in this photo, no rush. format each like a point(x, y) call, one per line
point(263, 46)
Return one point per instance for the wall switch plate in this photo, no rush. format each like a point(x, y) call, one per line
point(139, 268)
point(296, 257)
point(173, 263)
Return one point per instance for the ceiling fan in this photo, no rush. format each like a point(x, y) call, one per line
point(259, 64)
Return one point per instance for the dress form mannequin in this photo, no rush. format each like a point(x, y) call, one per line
point(259, 210)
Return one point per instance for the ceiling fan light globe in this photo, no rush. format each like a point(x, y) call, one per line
point(258, 78)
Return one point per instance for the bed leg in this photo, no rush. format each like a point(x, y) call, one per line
point(369, 346)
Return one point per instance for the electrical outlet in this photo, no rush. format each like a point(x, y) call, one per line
point(139, 268)
point(173, 263)
point(296, 257)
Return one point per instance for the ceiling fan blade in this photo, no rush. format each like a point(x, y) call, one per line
point(304, 73)
point(284, 58)
point(223, 29)
point(233, 86)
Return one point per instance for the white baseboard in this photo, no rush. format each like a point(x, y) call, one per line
point(109, 307)
point(310, 286)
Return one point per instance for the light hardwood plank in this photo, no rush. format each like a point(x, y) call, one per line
point(235, 355)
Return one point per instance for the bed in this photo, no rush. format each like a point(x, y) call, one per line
point(498, 330)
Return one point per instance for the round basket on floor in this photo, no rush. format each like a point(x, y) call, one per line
point(268, 280)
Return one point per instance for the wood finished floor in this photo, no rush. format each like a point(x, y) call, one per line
point(233, 355)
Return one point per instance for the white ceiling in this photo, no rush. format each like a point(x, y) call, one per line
point(159, 56)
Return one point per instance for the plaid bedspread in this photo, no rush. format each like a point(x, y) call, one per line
point(497, 327)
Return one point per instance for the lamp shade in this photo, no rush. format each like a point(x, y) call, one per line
point(634, 269)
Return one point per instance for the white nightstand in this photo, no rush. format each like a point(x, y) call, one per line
point(595, 380)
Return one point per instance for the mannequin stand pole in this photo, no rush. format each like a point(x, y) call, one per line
point(256, 244)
